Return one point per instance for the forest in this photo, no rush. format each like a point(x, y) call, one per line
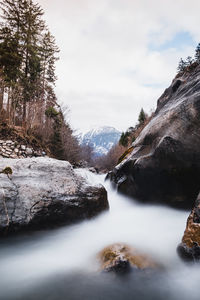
point(28, 103)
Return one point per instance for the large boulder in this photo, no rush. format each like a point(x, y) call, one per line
point(164, 165)
point(189, 249)
point(44, 192)
point(121, 258)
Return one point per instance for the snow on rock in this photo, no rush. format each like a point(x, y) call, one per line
point(102, 139)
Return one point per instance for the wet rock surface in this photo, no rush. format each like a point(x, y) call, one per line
point(44, 192)
point(120, 258)
point(164, 165)
point(189, 249)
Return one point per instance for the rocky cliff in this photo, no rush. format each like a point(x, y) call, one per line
point(164, 165)
point(44, 192)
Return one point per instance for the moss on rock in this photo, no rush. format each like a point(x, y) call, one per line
point(117, 256)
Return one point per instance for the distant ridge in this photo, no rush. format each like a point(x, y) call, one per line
point(102, 139)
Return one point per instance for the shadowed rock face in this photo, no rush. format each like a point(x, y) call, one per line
point(164, 165)
point(44, 192)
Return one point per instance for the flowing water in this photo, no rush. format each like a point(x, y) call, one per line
point(62, 263)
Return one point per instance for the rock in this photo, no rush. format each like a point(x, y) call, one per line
point(93, 170)
point(189, 249)
point(23, 147)
point(29, 151)
point(37, 153)
point(120, 258)
point(6, 155)
point(164, 165)
point(8, 150)
point(44, 192)
point(80, 164)
point(14, 156)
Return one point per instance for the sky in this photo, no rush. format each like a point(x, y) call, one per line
point(117, 56)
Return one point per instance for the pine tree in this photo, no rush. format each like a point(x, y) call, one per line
point(49, 50)
point(19, 42)
point(10, 61)
point(10, 58)
point(48, 57)
point(27, 53)
point(32, 29)
point(197, 53)
point(124, 139)
point(181, 66)
point(142, 117)
point(189, 61)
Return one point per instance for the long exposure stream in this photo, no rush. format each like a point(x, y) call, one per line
point(63, 264)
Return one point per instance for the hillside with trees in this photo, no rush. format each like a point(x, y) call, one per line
point(28, 54)
point(119, 151)
point(190, 63)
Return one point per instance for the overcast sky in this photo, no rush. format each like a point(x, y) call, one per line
point(118, 55)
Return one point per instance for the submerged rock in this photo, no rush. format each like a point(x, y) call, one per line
point(164, 165)
point(189, 249)
point(120, 258)
point(44, 192)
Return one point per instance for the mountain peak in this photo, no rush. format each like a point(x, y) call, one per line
point(102, 139)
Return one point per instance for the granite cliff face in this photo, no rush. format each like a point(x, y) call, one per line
point(44, 192)
point(164, 165)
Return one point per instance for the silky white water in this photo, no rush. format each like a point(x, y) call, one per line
point(27, 261)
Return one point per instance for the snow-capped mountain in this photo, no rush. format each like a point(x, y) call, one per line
point(102, 139)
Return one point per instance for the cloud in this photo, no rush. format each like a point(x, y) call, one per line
point(118, 55)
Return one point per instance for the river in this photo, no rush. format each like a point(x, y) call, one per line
point(62, 263)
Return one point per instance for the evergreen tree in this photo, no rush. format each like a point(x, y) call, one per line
point(32, 29)
point(181, 66)
point(48, 57)
point(124, 139)
point(197, 53)
point(27, 53)
point(49, 50)
point(142, 117)
point(189, 61)
point(11, 57)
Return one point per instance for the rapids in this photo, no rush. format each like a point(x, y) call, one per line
point(62, 263)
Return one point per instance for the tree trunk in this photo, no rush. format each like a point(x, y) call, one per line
point(24, 114)
point(8, 106)
point(1, 98)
